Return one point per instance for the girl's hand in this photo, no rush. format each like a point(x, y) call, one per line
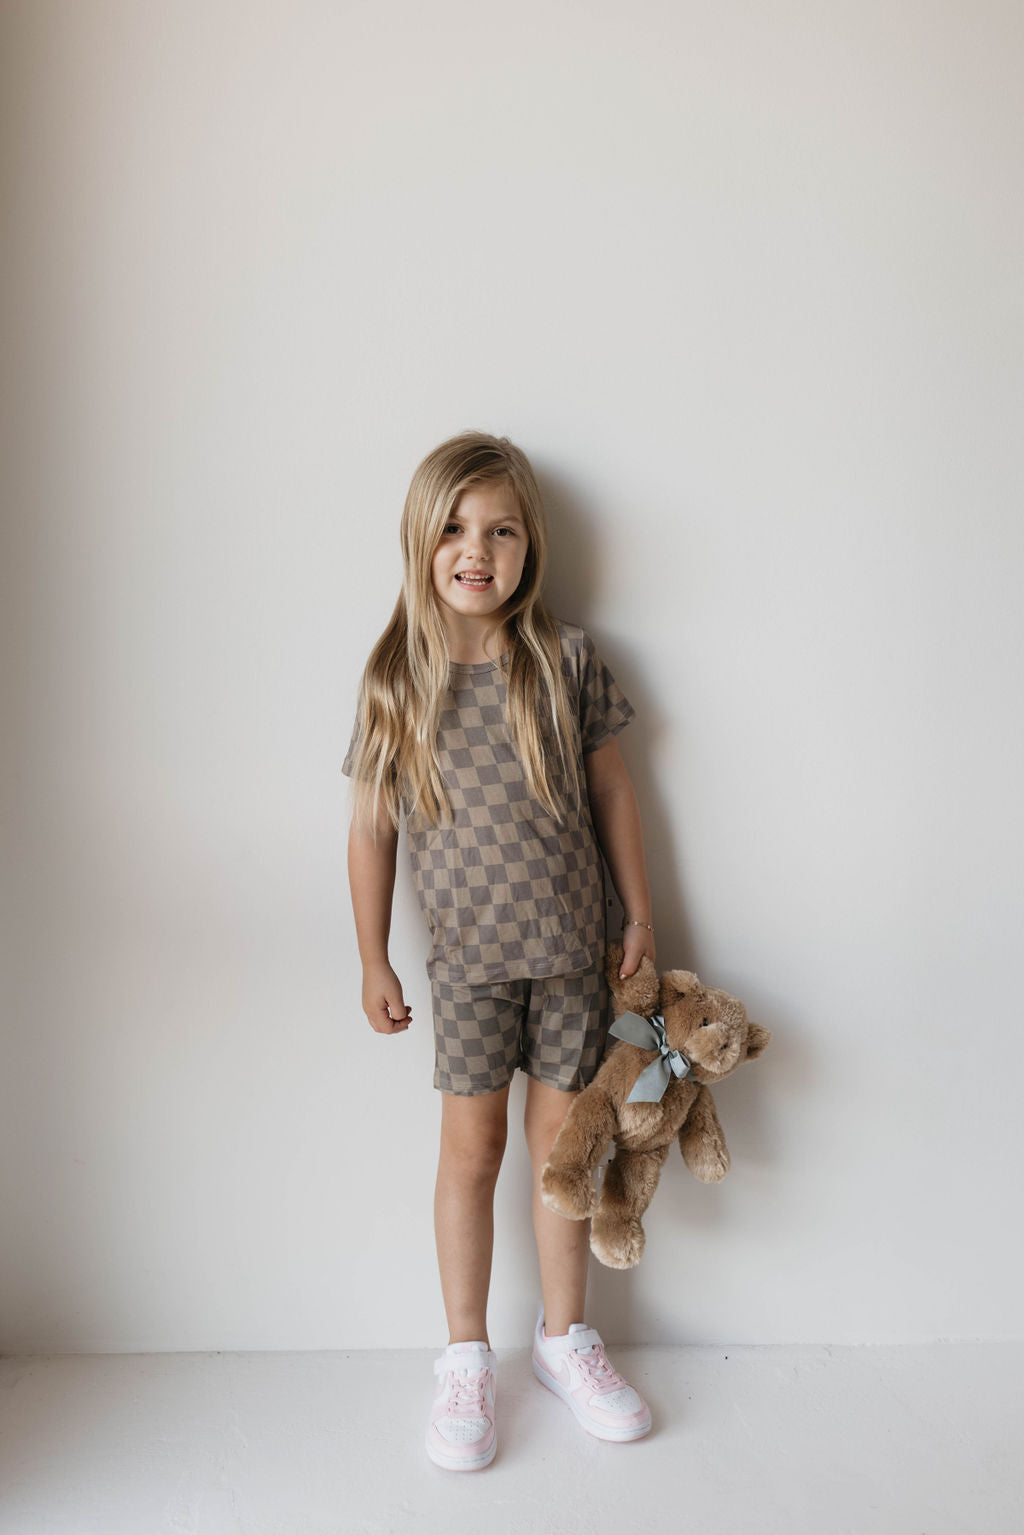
point(383, 1002)
point(636, 942)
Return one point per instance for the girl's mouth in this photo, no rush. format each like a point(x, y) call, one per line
point(475, 583)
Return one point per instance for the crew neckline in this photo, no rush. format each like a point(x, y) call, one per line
point(479, 666)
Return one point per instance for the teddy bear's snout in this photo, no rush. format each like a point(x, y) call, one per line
point(726, 1050)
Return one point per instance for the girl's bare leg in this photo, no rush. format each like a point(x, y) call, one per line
point(563, 1246)
point(473, 1134)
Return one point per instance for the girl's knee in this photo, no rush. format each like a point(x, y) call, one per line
point(544, 1119)
point(473, 1136)
point(477, 1161)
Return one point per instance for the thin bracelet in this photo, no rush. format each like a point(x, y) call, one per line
point(632, 922)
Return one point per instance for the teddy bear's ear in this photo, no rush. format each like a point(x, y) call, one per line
point(681, 981)
point(757, 1040)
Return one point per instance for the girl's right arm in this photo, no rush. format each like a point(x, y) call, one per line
point(371, 874)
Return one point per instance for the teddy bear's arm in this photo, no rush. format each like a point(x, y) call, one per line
point(567, 1179)
point(588, 1127)
point(701, 1139)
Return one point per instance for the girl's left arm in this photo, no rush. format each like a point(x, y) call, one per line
point(616, 816)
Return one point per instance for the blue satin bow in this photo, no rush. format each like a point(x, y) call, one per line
point(649, 1034)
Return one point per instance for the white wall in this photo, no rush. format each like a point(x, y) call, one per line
point(745, 282)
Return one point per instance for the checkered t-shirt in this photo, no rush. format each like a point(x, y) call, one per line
point(507, 891)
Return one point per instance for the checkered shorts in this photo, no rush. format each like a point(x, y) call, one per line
point(554, 1028)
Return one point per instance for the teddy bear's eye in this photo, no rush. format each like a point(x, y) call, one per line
point(703, 1023)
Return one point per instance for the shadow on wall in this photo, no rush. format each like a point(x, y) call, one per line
point(580, 571)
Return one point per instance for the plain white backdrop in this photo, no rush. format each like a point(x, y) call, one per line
point(745, 283)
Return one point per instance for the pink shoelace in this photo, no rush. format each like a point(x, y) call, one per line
point(466, 1394)
point(598, 1370)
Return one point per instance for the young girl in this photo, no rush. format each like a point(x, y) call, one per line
point(491, 726)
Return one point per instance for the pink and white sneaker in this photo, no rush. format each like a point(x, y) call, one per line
point(576, 1368)
point(461, 1433)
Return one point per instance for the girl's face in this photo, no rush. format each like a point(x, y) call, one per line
point(477, 565)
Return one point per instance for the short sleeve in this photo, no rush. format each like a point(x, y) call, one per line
point(604, 708)
point(350, 755)
point(349, 764)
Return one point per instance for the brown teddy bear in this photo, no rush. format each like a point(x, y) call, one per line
point(674, 1037)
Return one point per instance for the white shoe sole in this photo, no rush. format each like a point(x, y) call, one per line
point(599, 1430)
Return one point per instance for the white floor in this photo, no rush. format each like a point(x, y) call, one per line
point(806, 1441)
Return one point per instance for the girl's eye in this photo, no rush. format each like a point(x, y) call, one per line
point(453, 527)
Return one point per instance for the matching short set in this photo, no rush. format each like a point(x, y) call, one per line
point(513, 899)
point(554, 1028)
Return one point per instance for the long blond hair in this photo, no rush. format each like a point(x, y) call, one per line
point(404, 682)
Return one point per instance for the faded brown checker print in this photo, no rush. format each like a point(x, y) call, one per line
point(507, 892)
point(554, 1029)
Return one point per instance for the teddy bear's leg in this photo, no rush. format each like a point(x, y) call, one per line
point(630, 1179)
point(701, 1140)
point(567, 1178)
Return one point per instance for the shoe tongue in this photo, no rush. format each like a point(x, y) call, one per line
point(581, 1327)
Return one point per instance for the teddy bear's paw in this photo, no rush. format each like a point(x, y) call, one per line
point(709, 1164)
point(569, 1191)
point(617, 1244)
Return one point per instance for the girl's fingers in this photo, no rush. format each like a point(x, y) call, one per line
point(395, 1025)
point(633, 951)
point(383, 1023)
